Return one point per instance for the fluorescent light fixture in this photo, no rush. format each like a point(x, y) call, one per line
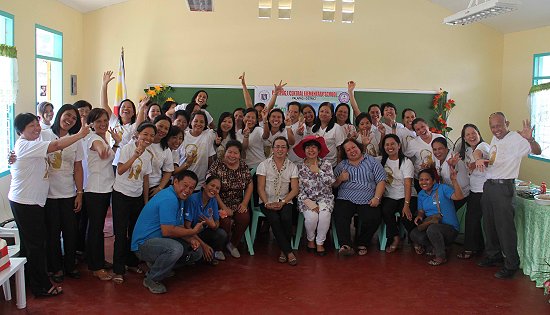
point(348, 8)
point(347, 17)
point(285, 7)
point(478, 11)
point(200, 5)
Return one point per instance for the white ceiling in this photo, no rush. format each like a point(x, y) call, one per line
point(531, 13)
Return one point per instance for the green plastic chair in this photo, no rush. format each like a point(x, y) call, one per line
point(256, 214)
point(300, 229)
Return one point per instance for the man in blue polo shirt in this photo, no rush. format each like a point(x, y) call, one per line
point(160, 238)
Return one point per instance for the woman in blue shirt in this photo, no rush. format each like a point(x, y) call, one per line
point(202, 206)
point(436, 199)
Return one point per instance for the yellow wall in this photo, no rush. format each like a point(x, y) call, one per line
point(517, 76)
point(59, 17)
point(408, 48)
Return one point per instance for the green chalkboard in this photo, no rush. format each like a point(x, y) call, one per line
point(222, 99)
point(219, 99)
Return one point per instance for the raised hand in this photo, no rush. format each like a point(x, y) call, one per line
point(241, 77)
point(453, 161)
point(288, 121)
point(107, 77)
point(365, 137)
point(381, 129)
point(12, 158)
point(527, 131)
point(246, 131)
point(279, 87)
point(344, 176)
point(84, 129)
point(453, 172)
point(143, 103)
point(351, 86)
point(301, 128)
point(218, 140)
point(115, 135)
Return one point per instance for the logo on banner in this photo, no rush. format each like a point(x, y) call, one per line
point(343, 97)
point(265, 95)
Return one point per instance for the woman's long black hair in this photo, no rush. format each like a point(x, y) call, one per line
point(56, 126)
point(231, 132)
point(463, 145)
point(317, 124)
point(385, 155)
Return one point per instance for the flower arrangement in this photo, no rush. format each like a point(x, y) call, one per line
point(158, 93)
point(442, 107)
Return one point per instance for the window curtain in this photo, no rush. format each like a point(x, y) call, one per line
point(8, 95)
point(539, 101)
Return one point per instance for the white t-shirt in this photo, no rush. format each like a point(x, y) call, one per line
point(395, 182)
point(297, 138)
point(477, 178)
point(125, 132)
point(202, 147)
point(176, 158)
point(333, 138)
point(29, 174)
point(277, 183)
point(255, 153)
point(390, 130)
point(131, 182)
point(505, 156)
point(462, 175)
point(405, 136)
point(420, 152)
point(44, 126)
point(161, 162)
point(61, 170)
point(100, 172)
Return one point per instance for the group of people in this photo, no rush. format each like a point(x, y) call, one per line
point(180, 185)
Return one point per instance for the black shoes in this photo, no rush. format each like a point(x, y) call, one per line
point(490, 262)
point(505, 273)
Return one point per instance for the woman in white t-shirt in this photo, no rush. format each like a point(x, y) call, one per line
point(28, 193)
point(64, 201)
point(473, 148)
point(198, 146)
point(326, 127)
point(97, 193)
point(224, 133)
point(45, 114)
point(366, 136)
point(130, 194)
point(162, 161)
point(274, 126)
point(445, 159)
point(123, 125)
point(251, 138)
point(341, 112)
point(400, 195)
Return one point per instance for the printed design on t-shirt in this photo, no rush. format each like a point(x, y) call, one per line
point(191, 152)
point(135, 170)
point(389, 173)
point(492, 155)
point(426, 158)
point(371, 150)
point(409, 138)
point(55, 159)
point(220, 152)
point(47, 168)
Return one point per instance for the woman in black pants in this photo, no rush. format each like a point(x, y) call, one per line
point(97, 192)
point(28, 193)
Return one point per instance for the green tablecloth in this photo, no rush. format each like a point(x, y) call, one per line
point(533, 228)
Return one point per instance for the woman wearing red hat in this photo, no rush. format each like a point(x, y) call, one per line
point(315, 200)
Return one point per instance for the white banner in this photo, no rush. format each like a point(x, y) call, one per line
point(305, 95)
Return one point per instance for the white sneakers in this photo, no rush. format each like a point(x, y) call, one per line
point(233, 250)
point(219, 255)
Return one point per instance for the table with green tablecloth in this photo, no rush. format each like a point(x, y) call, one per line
point(533, 229)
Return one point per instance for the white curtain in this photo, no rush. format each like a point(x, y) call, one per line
point(539, 99)
point(8, 95)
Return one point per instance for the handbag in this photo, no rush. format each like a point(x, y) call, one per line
point(433, 219)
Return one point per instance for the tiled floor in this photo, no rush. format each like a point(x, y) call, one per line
point(378, 283)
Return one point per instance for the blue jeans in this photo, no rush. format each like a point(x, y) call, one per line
point(164, 254)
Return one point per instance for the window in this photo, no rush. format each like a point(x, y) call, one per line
point(49, 66)
point(8, 73)
point(540, 103)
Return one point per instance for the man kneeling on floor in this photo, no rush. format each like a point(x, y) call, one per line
point(160, 237)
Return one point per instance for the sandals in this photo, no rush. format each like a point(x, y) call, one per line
point(282, 258)
point(467, 254)
point(419, 249)
point(118, 279)
point(292, 260)
point(361, 250)
point(53, 291)
point(345, 250)
point(102, 275)
point(437, 261)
